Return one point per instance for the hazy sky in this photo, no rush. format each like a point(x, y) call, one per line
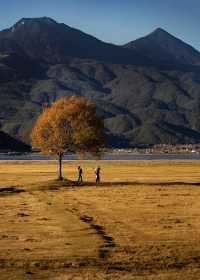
point(116, 21)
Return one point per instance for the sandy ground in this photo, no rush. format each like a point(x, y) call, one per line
point(143, 222)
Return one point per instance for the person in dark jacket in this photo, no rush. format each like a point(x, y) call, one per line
point(80, 175)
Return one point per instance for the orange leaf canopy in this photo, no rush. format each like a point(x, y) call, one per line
point(69, 125)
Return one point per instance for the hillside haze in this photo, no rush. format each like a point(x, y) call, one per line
point(148, 91)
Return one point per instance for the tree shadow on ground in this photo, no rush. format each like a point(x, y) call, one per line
point(68, 184)
point(56, 184)
point(10, 190)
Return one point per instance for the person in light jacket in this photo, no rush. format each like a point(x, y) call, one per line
point(97, 173)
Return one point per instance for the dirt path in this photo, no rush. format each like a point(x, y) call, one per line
point(40, 230)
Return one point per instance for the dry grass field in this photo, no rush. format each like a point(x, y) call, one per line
point(142, 222)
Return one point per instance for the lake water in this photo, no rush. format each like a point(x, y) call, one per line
point(107, 156)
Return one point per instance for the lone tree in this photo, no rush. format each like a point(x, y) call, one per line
point(69, 125)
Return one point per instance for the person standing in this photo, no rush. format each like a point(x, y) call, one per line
point(80, 175)
point(97, 172)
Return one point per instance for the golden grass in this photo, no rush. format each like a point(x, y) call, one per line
point(27, 172)
point(147, 229)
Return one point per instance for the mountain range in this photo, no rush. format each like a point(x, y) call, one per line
point(10, 144)
point(148, 90)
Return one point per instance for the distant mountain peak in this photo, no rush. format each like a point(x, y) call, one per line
point(162, 46)
point(44, 38)
point(27, 22)
point(160, 33)
point(160, 30)
point(46, 20)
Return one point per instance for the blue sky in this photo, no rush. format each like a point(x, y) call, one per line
point(116, 21)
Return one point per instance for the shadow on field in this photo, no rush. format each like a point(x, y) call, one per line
point(135, 183)
point(55, 184)
point(10, 190)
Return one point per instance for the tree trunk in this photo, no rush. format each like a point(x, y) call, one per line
point(60, 167)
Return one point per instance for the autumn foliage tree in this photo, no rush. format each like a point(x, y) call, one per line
point(70, 124)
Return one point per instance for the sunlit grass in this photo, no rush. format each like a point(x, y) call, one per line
point(154, 224)
point(27, 172)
